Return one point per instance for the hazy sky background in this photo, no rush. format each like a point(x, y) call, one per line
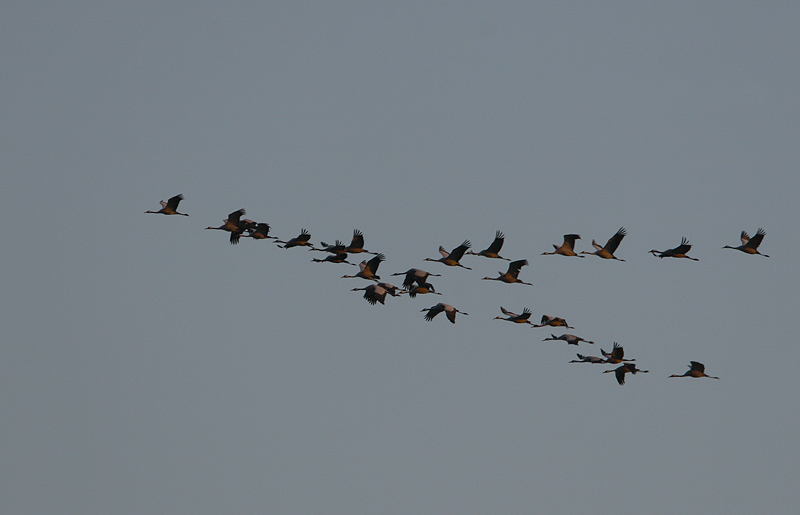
point(150, 367)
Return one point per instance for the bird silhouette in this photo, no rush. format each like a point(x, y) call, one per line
point(523, 318)
point(512, 275)
point(571, 339)
point(588, 359)
point(261, 232)
point(696, 369)
point(750, 245)
point(235, 225)
point(567, 248)
point(623, 369)
point(678, 252)
point(492, 250)
point(368, 269)
point(170, 207)
point(415, 275)
point(552, 321)
point(449, 310)
point(302, 240)
point(357, 244)
point(607, 251)
point(617, 354)
point(452, 258)
point(334, 258)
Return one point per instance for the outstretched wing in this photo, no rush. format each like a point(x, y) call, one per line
point(755, 241)
point(236, 215)
point(745, 237)
point(696, 365)
point(373, 263)
point(432, 312)
point(615, 240)
point(358, 240)
point(458, 252)
point(515, 266)
point(174, 201)
point(569, 240)
point(497, 244)
point(507, 312)
point(683, 248)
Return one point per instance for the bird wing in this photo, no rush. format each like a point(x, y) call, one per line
point(620, 374)
point(526, 314)
point(569, 240)
point(683, 248)
point(373, 263)
point(443, 252)
point(745, 237)
point(358, 240)
point(617, 352)
point(304, 236)
point(236, 215)
point(615, 240)
point(696, 365)
point(755, 241)
point(433, 311)
point(497, 244)
point(515, 266)
point(507, 312)
point(263, 228)
point(450, 311)
point(458, 252)
point(174, 201)
point(409, 279)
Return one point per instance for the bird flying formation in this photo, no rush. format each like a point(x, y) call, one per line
point(415, 280)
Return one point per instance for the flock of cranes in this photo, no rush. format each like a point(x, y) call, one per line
point(415, 281)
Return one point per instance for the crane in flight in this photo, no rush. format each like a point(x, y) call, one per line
point(170, 207)
point(696, 369)
point(492, 250)
point(607, 251)
point(448, 310)
point(567, 248)
point(452, 258)
point(678, 252)
point(750, 245)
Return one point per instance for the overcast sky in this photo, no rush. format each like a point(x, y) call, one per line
point(148, 366)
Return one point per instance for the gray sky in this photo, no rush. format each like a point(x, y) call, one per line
point(150, 367)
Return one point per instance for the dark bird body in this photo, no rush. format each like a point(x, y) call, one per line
point(567, 248)
point(625, 368)
point(552, 321)
point(750, 245)
point(522, 318)
point(607, 251)
point(571, 339)
point(492, 250)
point(448, 310)
point(453, 258)
point(678, 252)
point(512, 275)
point(170, 207)
point(415, 275)
point(696, 369)
point(302, 240)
